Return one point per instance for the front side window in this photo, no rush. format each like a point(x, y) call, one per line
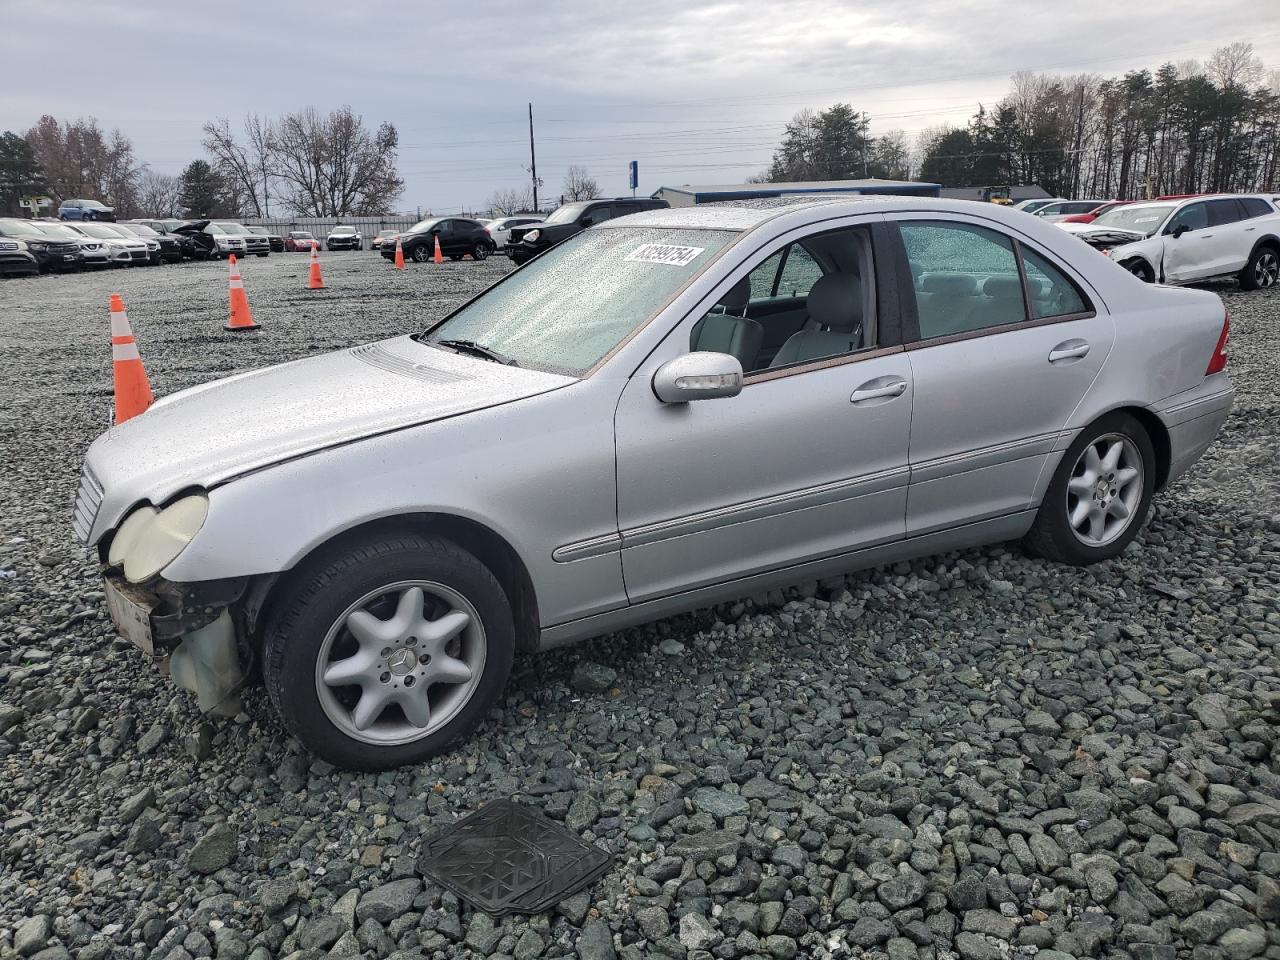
point(1193, 217)
point(598, 215)
point(566, 310)
point(965, 277)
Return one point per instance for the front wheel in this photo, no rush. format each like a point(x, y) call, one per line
point(387, 652)
point(1262, 270)
point(1099, 495)
point(421, 253)
point(1141, 270)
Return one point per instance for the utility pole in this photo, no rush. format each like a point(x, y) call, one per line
point(533, 161)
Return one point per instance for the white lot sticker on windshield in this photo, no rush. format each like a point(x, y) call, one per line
point(1145, 219)
point(668, 253)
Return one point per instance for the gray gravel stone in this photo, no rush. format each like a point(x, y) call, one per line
point(388, 901)
point(32, 935)
point(592, 677)
point(215, 850)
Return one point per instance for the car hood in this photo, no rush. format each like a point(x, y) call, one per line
point(223, 429)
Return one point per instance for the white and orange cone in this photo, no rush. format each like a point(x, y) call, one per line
point(315, 281)
point(438, 257)
point(132, 389)
point(399, 254)
point(241, 317)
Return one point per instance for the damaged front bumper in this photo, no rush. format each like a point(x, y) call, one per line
point(188, 630)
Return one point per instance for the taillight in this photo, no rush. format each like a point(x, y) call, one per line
point(1218, 362)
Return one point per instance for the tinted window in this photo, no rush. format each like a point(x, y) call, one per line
point(596, 215)
point(966, 277)
point(1051, 293)
point(1193, 217)
point(1255, 206)
point(1223, 212)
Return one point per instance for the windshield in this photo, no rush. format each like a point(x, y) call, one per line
point(344, 229)
point(1142, 218)
point(233, 228)
point(101, 232)
point(17, 228)
point(301, 235)
point(260, 231)
point(568, 308)
point(58, 231)
point(567, 213)
point(141, 229)
point(423, 225)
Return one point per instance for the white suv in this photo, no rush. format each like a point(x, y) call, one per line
point(1192, 239)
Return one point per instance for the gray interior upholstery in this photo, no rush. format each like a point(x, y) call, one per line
point(835, 321)
point(736, 336)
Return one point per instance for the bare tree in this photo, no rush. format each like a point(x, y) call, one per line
point(246, 163)
point(504, 203)
point(157, 194)
point(1235, 65)
point(331, 165)
point(579, 185)
point(81, 160)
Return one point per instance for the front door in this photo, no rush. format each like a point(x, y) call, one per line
point(1191, 254)
point(999, 365)
point(808, 461)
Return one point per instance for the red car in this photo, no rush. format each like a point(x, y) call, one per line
point(1095, 212)
point(299, 241)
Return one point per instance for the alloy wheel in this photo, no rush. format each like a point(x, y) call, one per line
point(1266, 269)
point(400, 662)
point(1105, 489)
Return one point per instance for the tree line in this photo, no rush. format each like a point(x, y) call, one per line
point(305, 163)
point(1188, 127)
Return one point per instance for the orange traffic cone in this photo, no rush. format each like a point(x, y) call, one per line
point(315, 281)
point(399, 255)
point(133, 392)
point(439, 257)
point(241, 316)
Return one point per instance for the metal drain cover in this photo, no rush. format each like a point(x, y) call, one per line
point(509, 858)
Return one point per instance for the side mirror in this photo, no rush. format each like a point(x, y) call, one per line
point(1179, 230)
point(701, 375)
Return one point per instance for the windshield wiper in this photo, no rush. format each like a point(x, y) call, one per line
point(476, 349)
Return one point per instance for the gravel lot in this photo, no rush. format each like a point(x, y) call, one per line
point(978, 755)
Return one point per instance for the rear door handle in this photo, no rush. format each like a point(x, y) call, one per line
point(881, 388)
point(1069, 350)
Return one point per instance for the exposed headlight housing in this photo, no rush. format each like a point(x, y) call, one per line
point(149, 539)
point(532, 236)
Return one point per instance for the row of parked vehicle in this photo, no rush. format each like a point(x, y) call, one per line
point(1178, 238)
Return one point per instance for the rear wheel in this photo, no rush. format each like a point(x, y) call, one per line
point(480, 251)
point(384, 653)
point(1099, 495)
point(1140, 269)
point(1262, 270)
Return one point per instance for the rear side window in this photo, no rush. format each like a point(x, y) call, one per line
point(965, 278)
point(1050, 293)
point(1222, 212)
point(1254, 206)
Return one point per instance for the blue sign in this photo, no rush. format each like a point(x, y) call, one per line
point(635, 174)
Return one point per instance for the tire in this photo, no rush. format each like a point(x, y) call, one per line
point(1053, 535)
point(1140, 269)
point(480, 251)
point(308, 623)
point(1262, 270)
point(421, 253)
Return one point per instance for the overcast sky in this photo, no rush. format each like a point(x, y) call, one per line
point(697, 92)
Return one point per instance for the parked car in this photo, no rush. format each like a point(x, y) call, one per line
point(375, 244)
point(85, 210)
point(168, 248)
point(169, 227)
point(213, 239)
point(126, 249)
point(668, 411)
point(499, 230)
point(274, 240)
point(16, 260)
point(1056, 211)
point(50, 253)
point(1092, 214)
point(300, 240)
point(524, 243)
point(93, 251)
point(343, 237)
point(1031, 206)
point(459, 236)
point(254, 243)
point(1192, 240)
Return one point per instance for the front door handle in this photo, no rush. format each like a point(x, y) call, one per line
point(1069, 350)
point(881, 388)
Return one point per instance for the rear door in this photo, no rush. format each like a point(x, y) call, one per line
point(1228, 242)
point(1003, 344)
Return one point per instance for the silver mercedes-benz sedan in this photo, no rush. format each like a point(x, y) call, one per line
point(665, 411)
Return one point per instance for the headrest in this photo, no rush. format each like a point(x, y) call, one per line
point(1002, 287)
point(835, 301)
point(737, 296)
point(954, 284)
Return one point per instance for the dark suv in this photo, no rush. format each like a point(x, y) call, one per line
point(527, 242)
point(458, 237)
